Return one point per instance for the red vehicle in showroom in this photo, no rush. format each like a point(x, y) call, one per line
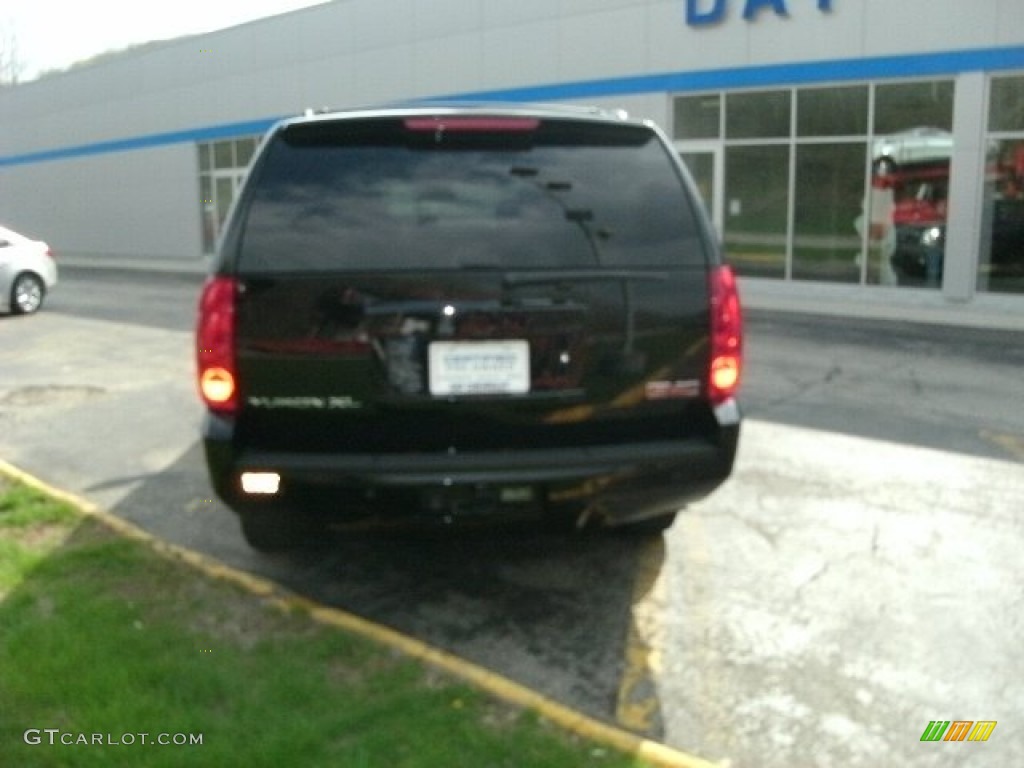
point(920, 212)
point(919, 217)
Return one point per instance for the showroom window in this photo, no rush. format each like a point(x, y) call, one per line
point(828, 198)
point(902, 106)
point(911, 152)
point(829, 183)
point(698, 117)
point(1001, 256)
point(843, 184)
point(759, 115)
point(832, 111)
point(222, 167)
point(757, 208)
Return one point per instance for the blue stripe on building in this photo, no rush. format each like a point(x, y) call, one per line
point(805, 73)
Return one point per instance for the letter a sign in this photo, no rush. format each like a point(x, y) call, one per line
point(703, 13)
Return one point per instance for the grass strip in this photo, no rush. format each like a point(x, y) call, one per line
point(108, 649)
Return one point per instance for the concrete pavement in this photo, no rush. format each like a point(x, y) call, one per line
point(838, 595)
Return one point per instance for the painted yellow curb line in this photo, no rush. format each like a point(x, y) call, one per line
point(575, 722)
point(1012, 444)
point(637, 707)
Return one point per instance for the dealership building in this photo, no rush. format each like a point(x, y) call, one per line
point(866, 147)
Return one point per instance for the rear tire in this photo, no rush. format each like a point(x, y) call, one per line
point(273, 529)
point(27, 294)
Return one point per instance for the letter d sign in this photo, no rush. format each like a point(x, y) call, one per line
point(696, 17)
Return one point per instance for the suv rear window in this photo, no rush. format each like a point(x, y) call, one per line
point(392, 194)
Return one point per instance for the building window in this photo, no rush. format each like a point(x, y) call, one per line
point(841, 184)
point(832, 111)
point(831, 124)
point(223, 154)
point(911, 153)
point(698, 117)
point(900, 106)
point(222, 168)
point(757, 209)
point(1001, 254)
point(759, 115)
point(828, 201)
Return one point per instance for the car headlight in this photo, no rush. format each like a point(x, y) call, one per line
point(932, 237)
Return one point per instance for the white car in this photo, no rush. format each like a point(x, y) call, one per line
point(917, 145)
point(27, 272)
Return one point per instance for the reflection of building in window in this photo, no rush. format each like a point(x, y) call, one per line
point(875, 227)
point(1009, 172)
point(920, 192)
point(222, 167)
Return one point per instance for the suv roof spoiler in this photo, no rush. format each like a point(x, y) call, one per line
point(430, 106)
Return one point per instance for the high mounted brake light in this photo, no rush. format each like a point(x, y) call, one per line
point(471, 124)
point(726, 336)
point(215, 345)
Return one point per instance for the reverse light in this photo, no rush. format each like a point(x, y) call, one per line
point(261, 483)
point(726, 335)
point(215, 345)
point(217, 385)
point(725, 373)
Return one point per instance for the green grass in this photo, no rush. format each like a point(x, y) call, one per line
point(100, 635)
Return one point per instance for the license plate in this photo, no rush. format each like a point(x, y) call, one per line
point(479, 367)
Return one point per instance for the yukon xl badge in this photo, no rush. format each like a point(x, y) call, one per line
point(672, 390)
point(330, 403)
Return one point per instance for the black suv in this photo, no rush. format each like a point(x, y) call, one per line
point(463, 313)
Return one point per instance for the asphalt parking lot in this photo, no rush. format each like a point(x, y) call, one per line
point(857, 578)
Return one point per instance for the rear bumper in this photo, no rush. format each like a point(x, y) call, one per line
point(620, 483)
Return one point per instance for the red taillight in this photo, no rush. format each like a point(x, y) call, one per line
point(215, 345)
point(472, 124)
point(726, 336)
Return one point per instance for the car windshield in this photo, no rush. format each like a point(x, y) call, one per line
point(373, 194)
